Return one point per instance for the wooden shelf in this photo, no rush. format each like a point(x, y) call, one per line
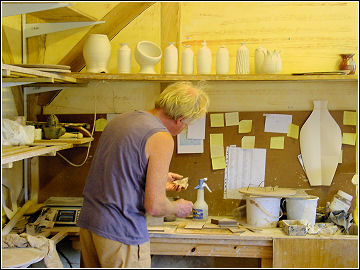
point(231, 77)
point(12, 153)
point(19, 75)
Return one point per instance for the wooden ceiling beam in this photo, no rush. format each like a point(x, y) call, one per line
point(117, 19)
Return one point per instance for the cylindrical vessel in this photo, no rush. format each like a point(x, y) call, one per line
point(96, 52)
point(341, 201)
point(187, 61)
point(347, 63)
point(320, 145)
point(263, 211)
point(200, 209)
point(222, 61)
point(171, 59)
point(302, 208)
point(260, 53)
point(203, 60)
point(124, 59)
point(242, 60)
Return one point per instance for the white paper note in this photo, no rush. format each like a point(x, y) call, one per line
point(185, 146)
point(197, 129)
point(278, 123)
point(244, 168)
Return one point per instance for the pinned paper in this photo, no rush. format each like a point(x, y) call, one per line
point(100, 124)
point(277, 143)
point(216, 139)
point(217, 120)
point(349, 138)
point(248, 142)
point(185, 146)
point(216, 151)
point(232, 119)
point(218, 163)
point(293, 131)
point(349, 118)
point(277, 123)
point(197, 129)
point(245, 126)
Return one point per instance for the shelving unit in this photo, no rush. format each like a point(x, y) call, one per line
point(13, 153)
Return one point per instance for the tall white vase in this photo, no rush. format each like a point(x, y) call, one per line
point(260, 54)
point(124, 59)
point(242, 60)
point(187, 60)
point(171, 59)
point(320, 145)
point(96, 52)
point(203, 60)
point(222, 61)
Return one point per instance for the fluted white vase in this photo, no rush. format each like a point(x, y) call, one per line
point(187, 60)
point(222, 61)
point(242, 60)
point(203, 59)
point(124, 59)
point(96, 52)
point(171, 59)
point(320, 145)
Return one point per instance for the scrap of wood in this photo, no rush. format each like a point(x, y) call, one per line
point(155, 228)
point(236, 230)
point(224, 222)
point(196, 225)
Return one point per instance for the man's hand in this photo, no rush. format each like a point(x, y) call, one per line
point(170, 186)
point(184, 208)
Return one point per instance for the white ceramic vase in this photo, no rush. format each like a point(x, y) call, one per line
point(124, 59)
point(320, 145)
point(222, 61)
point(260, 54)
point(147, 55)
point(187, 60)
point(272, 63)
point(242, 60)
point(204, 60)
point(96, 52)
point(171, 59)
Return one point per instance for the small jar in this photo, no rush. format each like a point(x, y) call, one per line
point(341, 201)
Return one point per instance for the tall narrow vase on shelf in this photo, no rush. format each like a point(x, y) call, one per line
point(260, 54)
point(96, 52)
point(203, 60)
point(124, 59)
point(171, 59)
point(187, 60)
point(320, 145)
point(242, 60)
point(222, 61)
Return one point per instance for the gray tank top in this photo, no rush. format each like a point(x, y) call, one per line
point(115, 187)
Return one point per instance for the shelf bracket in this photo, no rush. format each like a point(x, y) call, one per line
point(36, 29)
point(11, 9)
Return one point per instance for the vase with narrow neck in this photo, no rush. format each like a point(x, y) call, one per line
point(96, 52)
point(242, 60)
point(203, 60)
point(171, 59)
point(222, 61)
point(187, 60)
point(320, 145)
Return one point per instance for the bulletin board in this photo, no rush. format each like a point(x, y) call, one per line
point(57, 178)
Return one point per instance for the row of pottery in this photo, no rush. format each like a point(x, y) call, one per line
point(97, 51)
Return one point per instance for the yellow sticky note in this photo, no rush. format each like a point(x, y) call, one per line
point(277, 143)
point(216, 139)
point(349, 138)
point(293, 131)
point(232, 119)
point(248, 142)
point(216, 151)
point(217, 120)
point(100, 124)
point(218, 163)
point(245, 126)
point(349, 118)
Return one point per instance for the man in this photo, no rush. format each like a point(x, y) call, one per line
point(129, 176)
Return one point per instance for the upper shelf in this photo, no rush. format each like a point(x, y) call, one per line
point(230, 77)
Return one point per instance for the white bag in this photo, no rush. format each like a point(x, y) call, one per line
point(12, 133)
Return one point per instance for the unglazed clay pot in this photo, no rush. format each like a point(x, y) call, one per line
point(171, 59)
point(222, 60)
point(147, 55)
point(203, 59)
point(96, 52)
point(187, 60)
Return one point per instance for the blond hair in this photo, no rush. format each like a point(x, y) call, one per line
point(183, 99)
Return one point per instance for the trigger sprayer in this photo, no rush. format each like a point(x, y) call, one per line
point(200, 209)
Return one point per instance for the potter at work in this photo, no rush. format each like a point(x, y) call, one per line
point(129, 176)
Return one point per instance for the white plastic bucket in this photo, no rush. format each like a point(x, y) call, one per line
point(263, 211)
point(302, 208)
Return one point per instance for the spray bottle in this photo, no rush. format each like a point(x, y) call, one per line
point(200, 209)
